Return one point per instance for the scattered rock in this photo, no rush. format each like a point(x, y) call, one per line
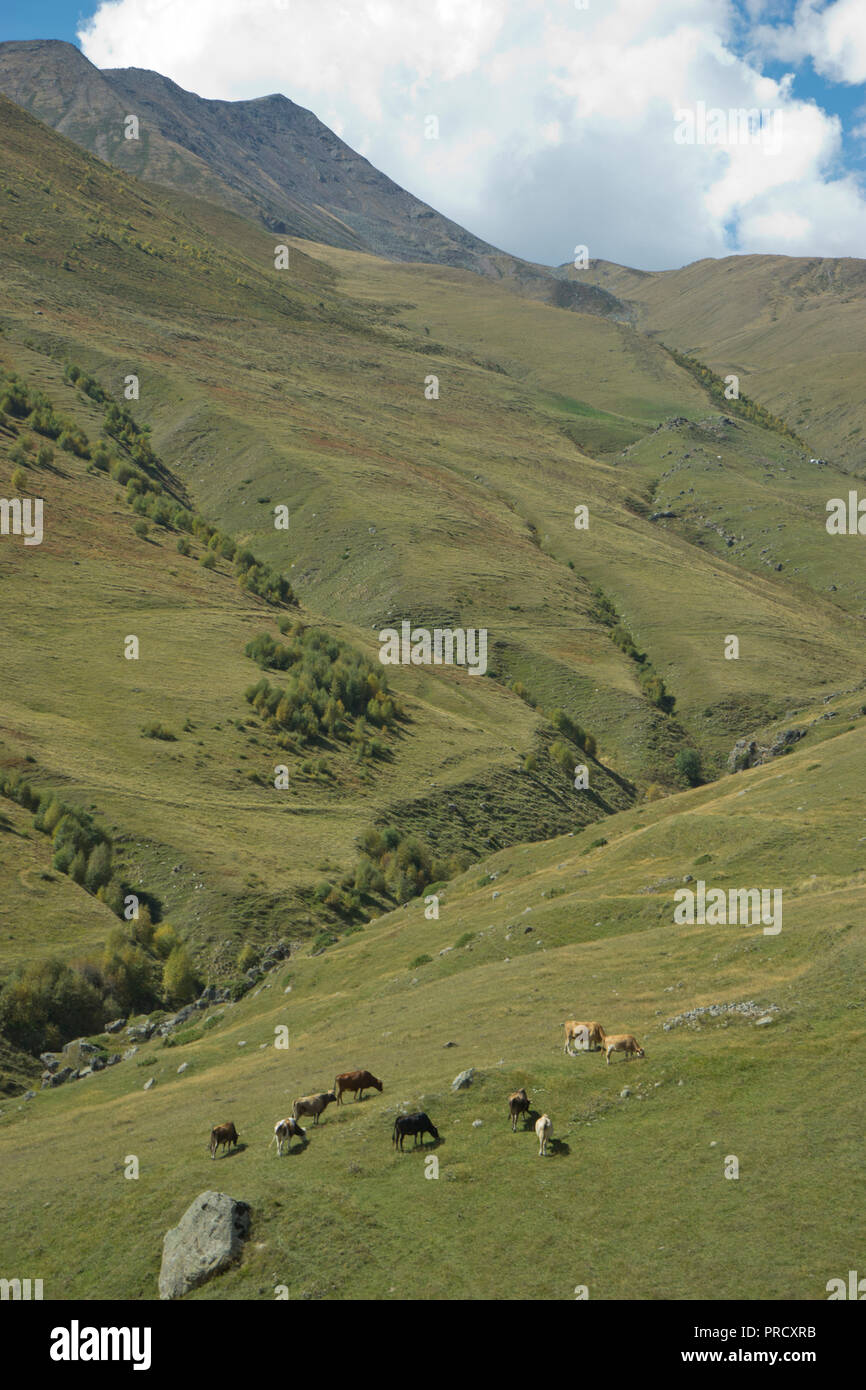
point(208, 1237)
point(748, 1009)
point(465, 1079)
point(148, 1084)
point(476, 1124)
point(115, 1025)
point(182, 1068)
point(449, 1044)
point(626, 1091)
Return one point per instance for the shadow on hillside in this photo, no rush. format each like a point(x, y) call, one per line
point(230, 1153)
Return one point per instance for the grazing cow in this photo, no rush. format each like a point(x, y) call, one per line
point(286, 1131)
point(589, 1035)
point(357, 1081)
point(416, 1124)
point(518, 1104)
point(221, 1135)
point(622, 1042)
point(544, 1129)
point(312, 1105)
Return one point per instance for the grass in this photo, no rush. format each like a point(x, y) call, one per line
point(774, 1097)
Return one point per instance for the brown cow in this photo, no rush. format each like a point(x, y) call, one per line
point(357, 1081)
point(622, 1042)
point(221, 1135)
point(518, 1104)
point(588, 1036)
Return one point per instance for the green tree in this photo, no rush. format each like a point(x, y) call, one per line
point(180, 983)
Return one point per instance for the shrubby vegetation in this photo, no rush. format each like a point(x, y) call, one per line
point(46, 1003)
point(742, 406)
point(649, 680)
point(332, 692)
point(568, 727)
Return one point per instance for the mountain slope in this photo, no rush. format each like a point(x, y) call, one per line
point(792, 328)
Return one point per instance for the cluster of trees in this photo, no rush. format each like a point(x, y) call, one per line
point(740, 405)
point(82, 849)
point(391, 864)
point(35, 410)
point(47, 1002)
point(333, 691)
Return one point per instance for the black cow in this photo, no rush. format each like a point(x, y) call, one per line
point(416, 1124)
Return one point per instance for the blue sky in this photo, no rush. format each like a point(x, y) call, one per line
point(556, 124)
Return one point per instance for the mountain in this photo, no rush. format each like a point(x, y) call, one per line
point(268, 159)
point(792, 328)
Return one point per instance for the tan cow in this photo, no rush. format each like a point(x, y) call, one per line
point(622, 1042)
point(588, 1036)
point(312, 1105)
point(544, 1130)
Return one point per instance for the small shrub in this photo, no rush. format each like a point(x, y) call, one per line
point(156, 730)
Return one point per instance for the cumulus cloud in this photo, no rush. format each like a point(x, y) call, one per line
point(556, 124)
point(832, 35)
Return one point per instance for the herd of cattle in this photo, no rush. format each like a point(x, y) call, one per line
point(590, 1037)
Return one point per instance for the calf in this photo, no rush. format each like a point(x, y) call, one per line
point(221, 1135)
point(588, 1036)
point(544, 1129)
point(416, 1124)
point(357, 1081)
point(518, 1104)
point(286, 1131)
point(312, 1105)
point(622, 1042)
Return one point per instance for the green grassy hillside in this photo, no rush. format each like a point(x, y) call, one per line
point(792, 328)
point(633, 1199)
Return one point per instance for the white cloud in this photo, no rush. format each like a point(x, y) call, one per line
point(832, 35)
point(556, 124)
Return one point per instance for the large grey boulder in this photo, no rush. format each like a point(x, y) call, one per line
point(208, 1237)
point(463, 1080)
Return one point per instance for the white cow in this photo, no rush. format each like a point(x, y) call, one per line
point(544, 1130)
point(284, 1132)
